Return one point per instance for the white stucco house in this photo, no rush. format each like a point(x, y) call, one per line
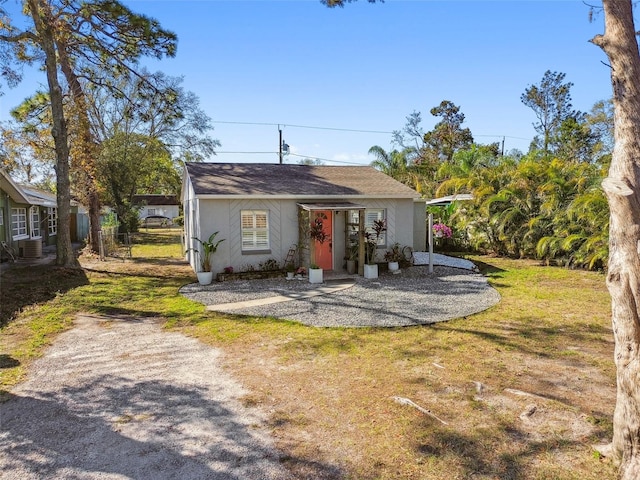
point(167, 206)
point(264, 210)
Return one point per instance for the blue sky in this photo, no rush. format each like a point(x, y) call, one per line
point(366, 67)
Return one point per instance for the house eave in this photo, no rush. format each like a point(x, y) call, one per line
point(299, 198)
point(13, 189)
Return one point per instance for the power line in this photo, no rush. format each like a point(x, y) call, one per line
point(295, 155)
point(303, 126)
point(274, 153)
point(336, 129)
point(324, 159)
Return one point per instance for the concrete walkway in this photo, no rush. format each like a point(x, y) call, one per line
point(320, 290)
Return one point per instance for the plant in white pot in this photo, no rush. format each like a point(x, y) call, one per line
point(208, 248)
point(352, 259)
point(290, 268)
point(317, 233)
point(372, 241)
point(393, 256)
point(315, 274)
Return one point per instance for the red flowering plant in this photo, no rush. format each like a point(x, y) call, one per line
point(440, 230)
point(319, 234)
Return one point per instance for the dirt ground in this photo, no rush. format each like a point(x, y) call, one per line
point(120, 398)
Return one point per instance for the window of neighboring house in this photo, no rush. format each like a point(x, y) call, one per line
point(371, 215)
point(34, 217)
point(151, 211)
point(1, 216)
point(18, 223)
point(52, 220)
point(255, 230)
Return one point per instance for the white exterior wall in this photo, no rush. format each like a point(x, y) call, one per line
point(400, 222)
point(223, 216)
point(191, 224)
point(419, 226)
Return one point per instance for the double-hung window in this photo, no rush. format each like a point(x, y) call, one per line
point(255, 230)
point(18, 223)
point(52, 220)
point(34, 219)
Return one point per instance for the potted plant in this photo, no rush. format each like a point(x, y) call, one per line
point(372, 240)
point(290, 268)
point(393, 256)
point(315, 273)
point(352, 259)
point(318, 234)
point(207, 248)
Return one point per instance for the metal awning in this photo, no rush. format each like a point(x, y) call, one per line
point(444, 201)
point(331, 206)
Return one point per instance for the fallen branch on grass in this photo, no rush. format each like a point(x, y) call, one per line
point(406, 401)
point(525, 394)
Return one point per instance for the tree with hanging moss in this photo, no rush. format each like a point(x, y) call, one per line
point(77, 43)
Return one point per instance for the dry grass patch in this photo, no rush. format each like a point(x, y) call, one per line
point(524, 388)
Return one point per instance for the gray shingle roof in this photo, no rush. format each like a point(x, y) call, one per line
point(155, 200)
point(298, 180)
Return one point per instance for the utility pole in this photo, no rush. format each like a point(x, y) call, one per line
point(280, 144)
point(283, 148)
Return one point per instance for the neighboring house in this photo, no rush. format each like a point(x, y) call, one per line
point(167, 206)
point(29, 217)
point(262, 210)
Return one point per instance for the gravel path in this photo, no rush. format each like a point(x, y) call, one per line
point(414, 297)
point(119, 398)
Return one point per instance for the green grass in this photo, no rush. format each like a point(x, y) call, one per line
point(329, 390)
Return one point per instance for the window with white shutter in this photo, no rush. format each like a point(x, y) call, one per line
point(255, 230)
point(371, 215)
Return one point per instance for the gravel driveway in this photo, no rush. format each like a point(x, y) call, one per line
point(413, 297)
point(119, 398)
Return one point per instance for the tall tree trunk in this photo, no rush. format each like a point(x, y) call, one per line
point(623, 192)
point(64, 250)
point(86, 151)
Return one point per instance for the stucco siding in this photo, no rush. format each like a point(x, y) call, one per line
point(203, 216)
point(419, 226)
point(224, 216)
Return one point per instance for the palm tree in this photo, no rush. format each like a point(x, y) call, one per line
point(400, 165)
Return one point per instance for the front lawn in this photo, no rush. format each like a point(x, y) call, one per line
point(520, 391)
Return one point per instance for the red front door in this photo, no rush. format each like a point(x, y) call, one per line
point(324, 251)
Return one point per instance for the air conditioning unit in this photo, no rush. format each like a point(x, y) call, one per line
point(32, 249)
